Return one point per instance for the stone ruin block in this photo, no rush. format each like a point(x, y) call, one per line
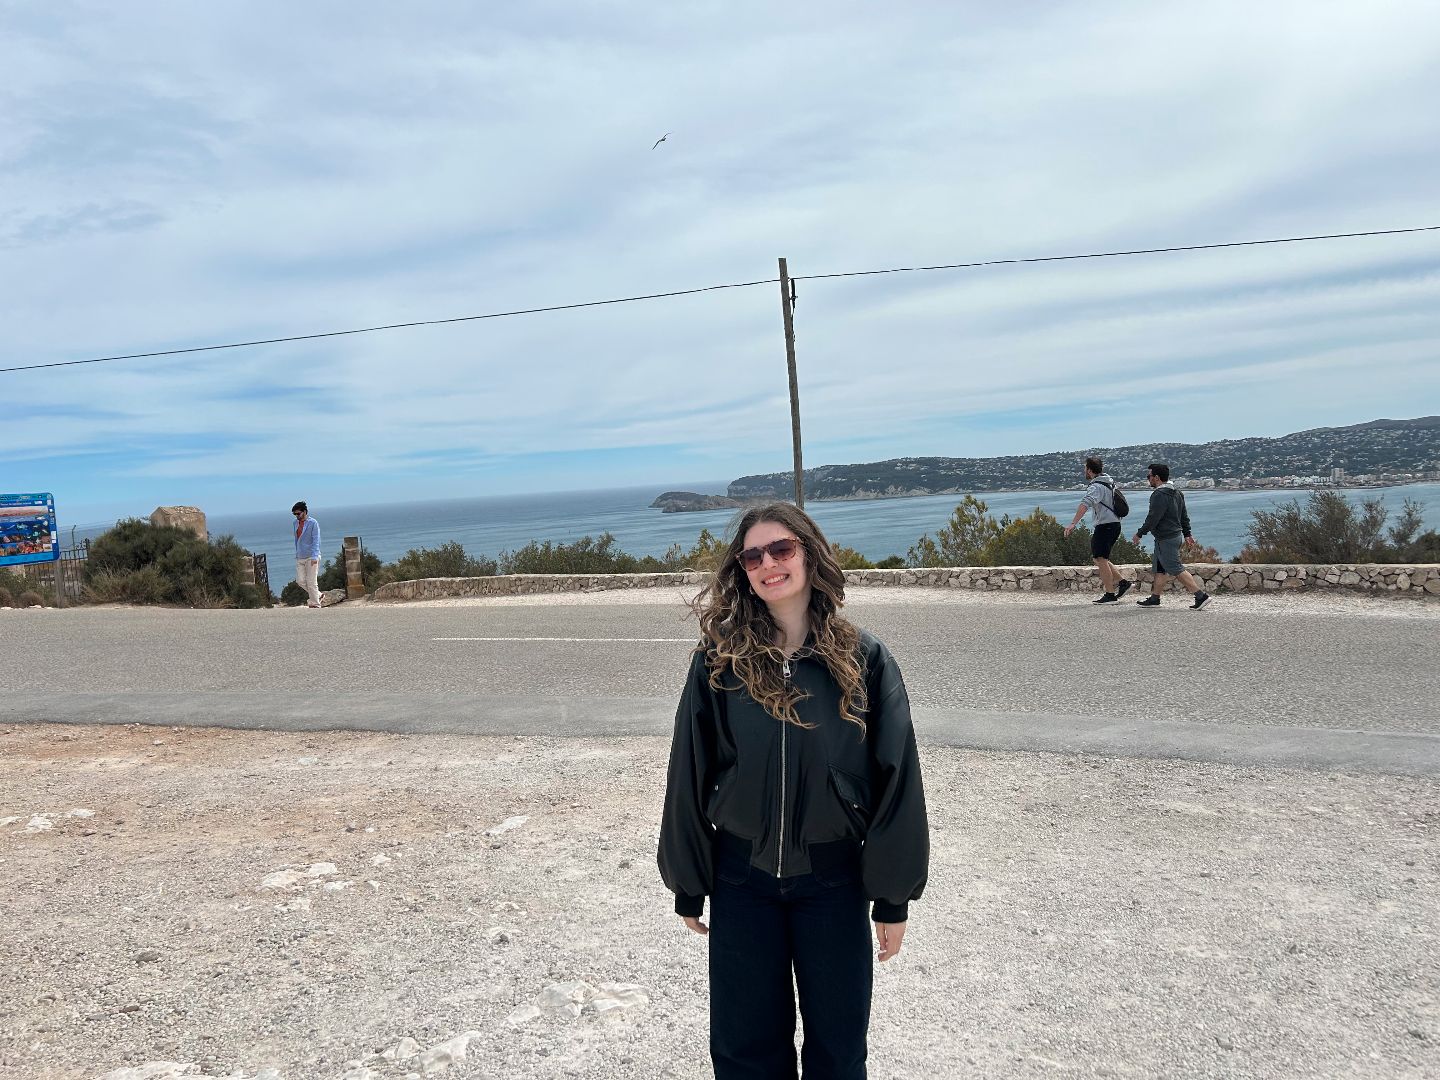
point(189, 518)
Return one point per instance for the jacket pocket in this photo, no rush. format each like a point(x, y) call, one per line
point(720, 789)
point(835, 863)
point(854, 795)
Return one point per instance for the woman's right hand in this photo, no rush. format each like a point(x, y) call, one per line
point(695, 924)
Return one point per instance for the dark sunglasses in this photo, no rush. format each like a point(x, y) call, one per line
point(780, 550)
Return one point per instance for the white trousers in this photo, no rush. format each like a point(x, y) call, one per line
point(306, 575)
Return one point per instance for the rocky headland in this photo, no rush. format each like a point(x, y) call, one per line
point(683, 502)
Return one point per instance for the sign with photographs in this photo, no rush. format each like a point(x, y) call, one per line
point(27, 529)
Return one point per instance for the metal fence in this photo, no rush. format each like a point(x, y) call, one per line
point(64, 577)
point(262, 575)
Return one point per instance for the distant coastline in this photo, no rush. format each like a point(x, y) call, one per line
point(703, 504)
point(1380, 453)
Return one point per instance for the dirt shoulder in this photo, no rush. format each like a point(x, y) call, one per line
point(1084, 917)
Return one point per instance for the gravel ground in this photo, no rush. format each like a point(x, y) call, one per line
point(1085, 917)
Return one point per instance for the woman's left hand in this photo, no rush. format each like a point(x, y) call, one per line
point(889, 936)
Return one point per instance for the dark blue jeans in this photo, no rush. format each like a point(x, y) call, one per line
point(765, 932)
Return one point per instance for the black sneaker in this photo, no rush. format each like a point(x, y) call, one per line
point(1122, 589)
point(1200, 598)
point(1107, 598)
point(1150, 601)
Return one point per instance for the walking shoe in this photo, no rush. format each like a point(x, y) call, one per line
point(1200, 598)
point(1122, 588)
point(1150, 601)
point(1107, 598)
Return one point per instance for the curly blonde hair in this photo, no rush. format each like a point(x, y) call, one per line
point(740, 632)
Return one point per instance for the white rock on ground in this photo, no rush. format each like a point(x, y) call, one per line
point(39, 823)
point(617, 996)
point(450, 1052)
point(281, 879)
point(508, 824)
point(403, 1050)
point(152, 1070)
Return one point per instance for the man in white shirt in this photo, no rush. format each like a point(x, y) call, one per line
point(307, 552)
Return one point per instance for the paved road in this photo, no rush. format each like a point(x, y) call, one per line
point(1354, 688)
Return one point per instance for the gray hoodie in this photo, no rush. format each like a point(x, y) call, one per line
point(1101, 500)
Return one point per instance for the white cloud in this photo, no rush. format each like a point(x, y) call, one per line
point(188, 176)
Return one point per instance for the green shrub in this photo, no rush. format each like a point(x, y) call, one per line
point(294, 595)
point(31, 598)
point(205, 575)
point(159, 564)
point(850, 559)
point(974, 538)
point(705, 556)
point(1331, 529)
point(1423, 549)
point(1127, 553)
point(134, 543)
point(1191, 551)
point(250, 596)
point(332, 574)
point(144, 586)
point(962, 541)
point(14, 583)
point(17, 584)
point(448, 560)
point(891, 562)
point(5, 598)
point(671, 561)
point(585, 556)
point(1036, 540)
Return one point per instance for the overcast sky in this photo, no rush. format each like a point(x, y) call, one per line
point(180, 175)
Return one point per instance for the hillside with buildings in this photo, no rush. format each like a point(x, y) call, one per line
point(1375, 453)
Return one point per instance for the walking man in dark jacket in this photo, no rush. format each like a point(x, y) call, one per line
point(1169, 521)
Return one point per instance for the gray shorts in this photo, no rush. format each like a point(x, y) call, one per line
point(1167, 555)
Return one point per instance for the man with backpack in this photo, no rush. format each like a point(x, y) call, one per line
point(1108, 505)
point(1170, 522)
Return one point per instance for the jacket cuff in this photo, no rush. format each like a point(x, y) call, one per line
point(692, 907)
point(886, 912)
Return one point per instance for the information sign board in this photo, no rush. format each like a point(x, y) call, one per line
point(27, 529)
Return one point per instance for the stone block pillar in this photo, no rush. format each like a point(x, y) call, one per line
point(354, 583)
point(191, 518)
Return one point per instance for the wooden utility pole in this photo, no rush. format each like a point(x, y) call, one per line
point(787, 308)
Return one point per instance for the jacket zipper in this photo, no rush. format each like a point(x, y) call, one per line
point(780, 845)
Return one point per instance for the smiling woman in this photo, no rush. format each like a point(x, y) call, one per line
point(794, 798)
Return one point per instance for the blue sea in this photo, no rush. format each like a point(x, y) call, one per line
point(876, 528)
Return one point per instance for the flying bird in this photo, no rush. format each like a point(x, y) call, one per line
point(661, 139)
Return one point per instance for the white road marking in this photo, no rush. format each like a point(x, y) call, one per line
point(640, 640)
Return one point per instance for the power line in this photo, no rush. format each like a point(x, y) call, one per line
point(717, 288)
point(1115, 254)
point(392, 326)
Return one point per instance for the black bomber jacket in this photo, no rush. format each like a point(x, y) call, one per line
point(735, 767)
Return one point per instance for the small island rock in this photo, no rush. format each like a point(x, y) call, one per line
point(681, 502)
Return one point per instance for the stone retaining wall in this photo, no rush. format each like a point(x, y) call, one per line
point(1421, 580)
point(1411, 580)
point(525, 584)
